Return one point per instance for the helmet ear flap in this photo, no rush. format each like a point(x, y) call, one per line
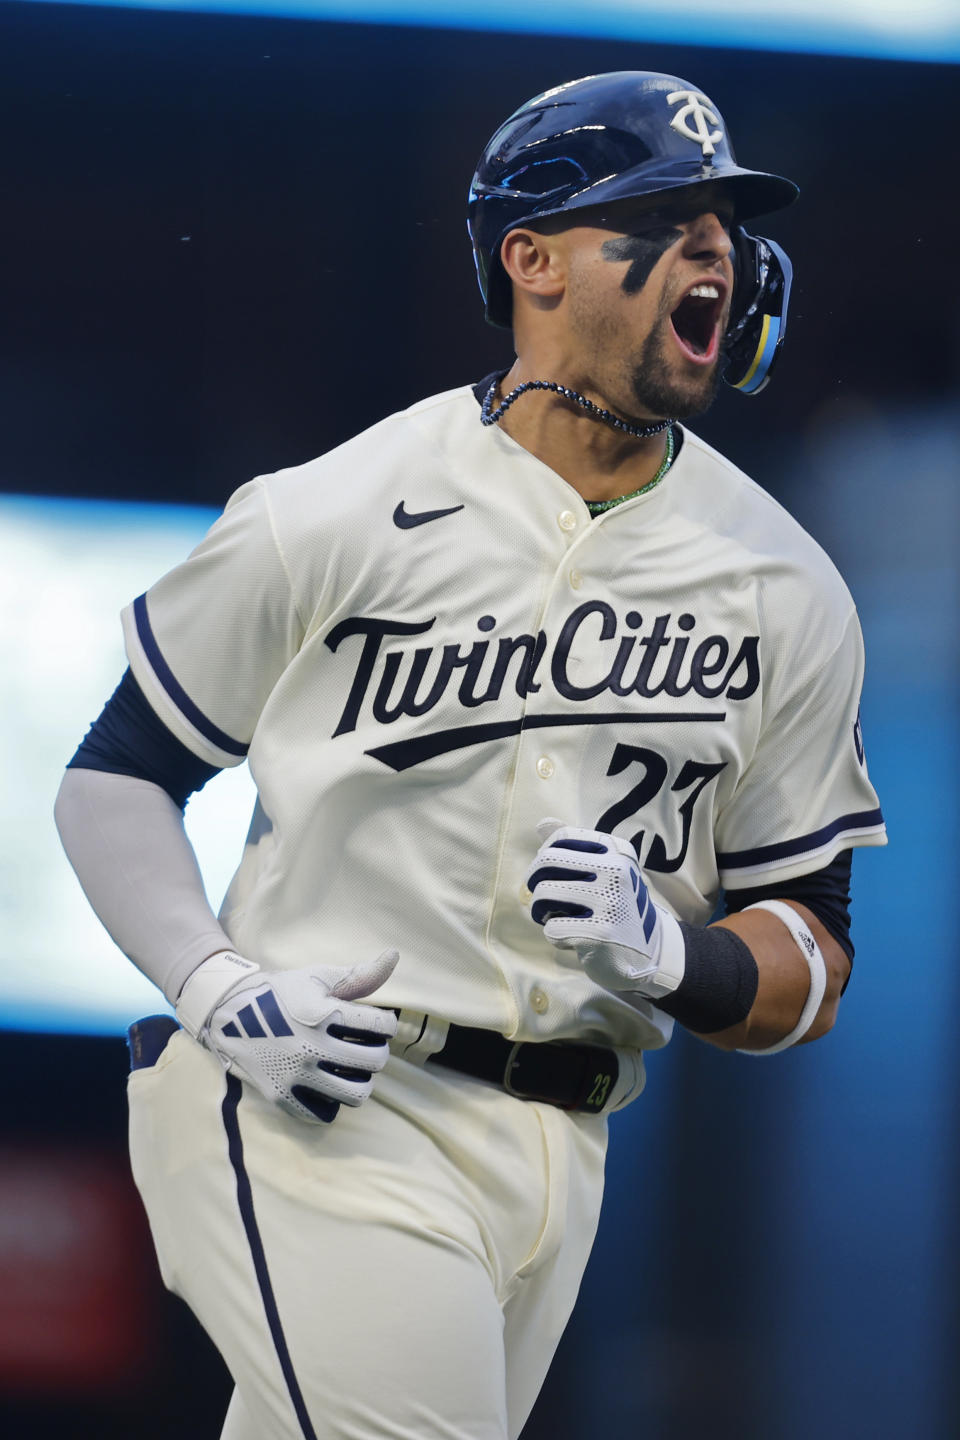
point(758, 320)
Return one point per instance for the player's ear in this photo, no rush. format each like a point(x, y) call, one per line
point(535, 264)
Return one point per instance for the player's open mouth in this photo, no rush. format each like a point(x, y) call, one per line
point(696, 321)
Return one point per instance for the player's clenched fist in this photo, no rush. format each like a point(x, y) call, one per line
point(294, 1034)
point(589, 896)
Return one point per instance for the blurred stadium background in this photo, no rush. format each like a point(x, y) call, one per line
point(230, 241)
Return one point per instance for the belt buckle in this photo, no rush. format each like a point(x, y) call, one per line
point(547, 1092)
point(585, 1081)
point(511, 1061)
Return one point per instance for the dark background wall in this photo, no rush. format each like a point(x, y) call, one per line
point(232, 242)
point(228, 244)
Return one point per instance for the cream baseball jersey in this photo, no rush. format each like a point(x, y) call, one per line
point(424, 644)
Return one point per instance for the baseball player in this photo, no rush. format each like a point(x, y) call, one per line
point(526, 676)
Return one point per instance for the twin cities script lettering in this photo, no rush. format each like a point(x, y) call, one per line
point(594, 656)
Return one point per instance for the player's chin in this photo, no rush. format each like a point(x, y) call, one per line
point(670, 394)
point(698, 395)
point(696, 377)
point(673, 382)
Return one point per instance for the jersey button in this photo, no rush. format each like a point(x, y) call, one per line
point(545, 767)
point(567, 520)
point(539, 1000)
point(576, 579)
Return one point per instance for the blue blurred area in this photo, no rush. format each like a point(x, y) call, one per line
point(891, 29)
point(868, 1275)
point(80, 562)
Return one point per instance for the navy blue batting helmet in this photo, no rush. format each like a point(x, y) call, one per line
point(625, 135)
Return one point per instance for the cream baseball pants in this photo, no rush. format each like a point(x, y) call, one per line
point(404, 1273)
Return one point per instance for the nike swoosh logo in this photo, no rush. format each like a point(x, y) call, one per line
point(407, 519)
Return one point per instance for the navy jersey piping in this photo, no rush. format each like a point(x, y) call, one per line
point(175, 690)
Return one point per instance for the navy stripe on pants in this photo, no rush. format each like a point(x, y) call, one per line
point(245, 1200)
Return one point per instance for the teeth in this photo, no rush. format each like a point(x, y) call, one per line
point(704, 292)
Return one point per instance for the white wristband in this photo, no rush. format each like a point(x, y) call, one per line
point(208, 985)
point(818, 972)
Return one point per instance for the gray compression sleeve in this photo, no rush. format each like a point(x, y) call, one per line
point(125, 839)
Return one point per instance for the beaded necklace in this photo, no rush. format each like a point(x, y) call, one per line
point(489, 416)
point(597, 507)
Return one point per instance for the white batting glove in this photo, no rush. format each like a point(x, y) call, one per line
point(293, 1034)
point(589, 896)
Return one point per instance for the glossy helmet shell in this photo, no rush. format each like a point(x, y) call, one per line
point(613, 137)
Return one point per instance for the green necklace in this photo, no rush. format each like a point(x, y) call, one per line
point(597, 507)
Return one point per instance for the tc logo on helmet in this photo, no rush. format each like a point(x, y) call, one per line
point(698, 114)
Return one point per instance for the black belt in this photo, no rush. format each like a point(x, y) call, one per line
point(573, 1077)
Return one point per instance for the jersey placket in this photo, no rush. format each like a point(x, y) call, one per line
point(544, 784)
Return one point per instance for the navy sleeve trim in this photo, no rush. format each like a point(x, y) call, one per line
point(175, 690)
point(826, 892)
point(129, 738)
point(865, 820)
